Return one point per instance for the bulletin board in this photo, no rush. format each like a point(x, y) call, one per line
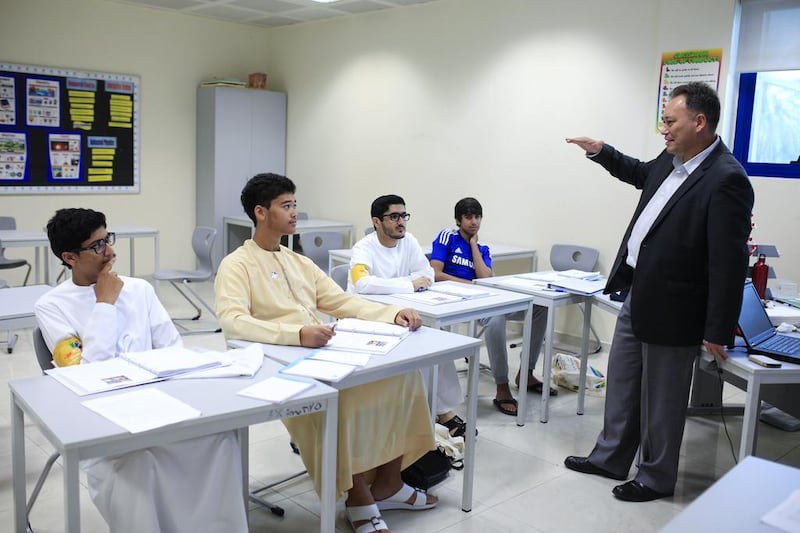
point(68, 131)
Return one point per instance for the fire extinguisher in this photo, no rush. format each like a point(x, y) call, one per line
point(760, 272)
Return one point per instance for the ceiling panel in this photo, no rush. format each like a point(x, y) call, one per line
point(270, 13)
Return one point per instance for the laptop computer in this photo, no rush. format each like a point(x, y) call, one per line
point(760, 335)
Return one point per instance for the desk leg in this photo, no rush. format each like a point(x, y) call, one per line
point(546, 366)
point(156, 252)
point(243, 434)
point(329, 442)
point(433, 392)
point(524, 366)
point(587, 324)
point(469, 438)
point(750, 418)
point(72, 509)
point(18, 466)
point(132, 256)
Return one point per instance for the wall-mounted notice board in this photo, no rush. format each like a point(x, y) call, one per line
point(68, 131)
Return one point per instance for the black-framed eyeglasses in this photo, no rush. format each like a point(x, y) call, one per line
point(99, 246)
point(395, 217)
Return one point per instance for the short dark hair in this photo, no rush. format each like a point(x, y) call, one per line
point(70, 227)
point(382, 203)
point(700, 98)
point(261, 189)
point(468, 206)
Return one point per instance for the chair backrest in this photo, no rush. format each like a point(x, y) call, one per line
point(202, 244)
point(302, 215)
point(369, 229)
point(316, 245)
point(567, 256)
point(43, 354)
point(339, 275)
point(6, 223)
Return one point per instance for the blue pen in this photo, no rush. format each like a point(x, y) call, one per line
point(554, 289)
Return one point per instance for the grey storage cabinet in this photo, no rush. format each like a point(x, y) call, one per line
point(240, 132)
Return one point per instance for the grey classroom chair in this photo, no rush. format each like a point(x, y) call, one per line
point(10, 223)
point(202, 244)
point(317, 244)
point(45, 359)
point(339, 275)
point(567, 256)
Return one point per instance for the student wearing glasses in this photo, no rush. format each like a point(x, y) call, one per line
point(192, 485)
point(458, 256)
point(391, 261)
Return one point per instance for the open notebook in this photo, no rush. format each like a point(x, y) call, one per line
point(354, 335)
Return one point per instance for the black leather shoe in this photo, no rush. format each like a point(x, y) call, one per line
point(633, 491)
point(582, 465)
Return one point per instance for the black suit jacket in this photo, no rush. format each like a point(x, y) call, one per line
point(687, 285)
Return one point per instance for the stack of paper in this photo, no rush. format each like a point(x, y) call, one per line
point(276, 389)
point(575, 281)
point(430, 297)
point(170, 361)
point(586, 287)
point(461, 290)
point(317, 369)
point(142, 410)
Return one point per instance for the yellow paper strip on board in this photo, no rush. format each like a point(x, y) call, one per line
point(102, 157)
point(115, 96)
point(100, 170)
point(86, 127)
point(125, 104)
point(81, 105)
point(120, 118)
point(100, 177)
point(119, 125)
point(82, 117)
point(97, 163)
point(81, 94)
point(103, 150)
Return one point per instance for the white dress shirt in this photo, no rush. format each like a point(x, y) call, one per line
point(656, 204)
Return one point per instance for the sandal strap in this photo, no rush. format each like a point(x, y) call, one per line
point(374, 524)
point(370, 513)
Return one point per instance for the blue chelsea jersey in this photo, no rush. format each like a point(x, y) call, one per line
point(450, 248)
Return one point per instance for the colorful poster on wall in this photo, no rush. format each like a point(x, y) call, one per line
point(13, 153)
point(65, 156)
point(43, 103)
point(678, 68)
point(8, 105)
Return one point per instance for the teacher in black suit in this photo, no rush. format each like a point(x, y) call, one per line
point(684, 259)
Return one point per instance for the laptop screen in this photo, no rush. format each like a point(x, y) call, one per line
point(753, 319)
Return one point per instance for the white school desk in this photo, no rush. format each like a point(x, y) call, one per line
point(740, 367)
point(500, 252)
point(500, 302)
point(37, 239)
point(79, 433)
point(235, 230)
point(420, 349)
point(738, 500)
point(550, 299)
point(16, 309)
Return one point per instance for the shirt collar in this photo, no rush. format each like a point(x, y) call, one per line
point(692, 164)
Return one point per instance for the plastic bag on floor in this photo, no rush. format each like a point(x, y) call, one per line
point(566, 373)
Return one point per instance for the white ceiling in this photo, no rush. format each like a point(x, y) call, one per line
point(270, 13)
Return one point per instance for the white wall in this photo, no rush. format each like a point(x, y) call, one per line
point(433, 102)
point(171, 54)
